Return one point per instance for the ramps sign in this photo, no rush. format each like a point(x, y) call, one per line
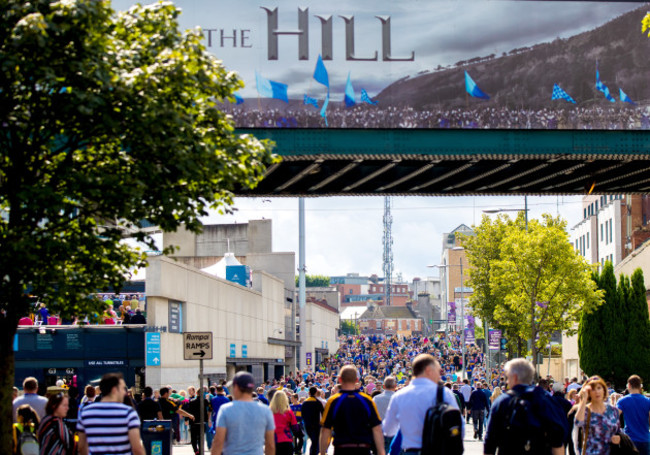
point(197, 345)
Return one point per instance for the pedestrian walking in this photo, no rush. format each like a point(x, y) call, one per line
point(110, 426)
point(25, 430)
point(285, 424)
point(298, 435)
point(244, 426)
point(30, 397)
point(525, 419)
point(408, 407)
point(478, 406)
point(466, 392)
point(597, 418)
point(54, 436)
point(148, 409)
point(352, 417)
point(193, 407)
point(171, 410)
point(382, 401)
point(636, 413)
point(312, 411)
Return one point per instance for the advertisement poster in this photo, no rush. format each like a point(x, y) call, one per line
point(494, 339)
point(469, 336)
point(434, 64)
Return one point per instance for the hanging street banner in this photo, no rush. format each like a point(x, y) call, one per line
point(443, 64)
point(451, 317)
point(494, 339)
point(469, 336)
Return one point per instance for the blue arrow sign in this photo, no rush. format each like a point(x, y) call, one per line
point(152, 346)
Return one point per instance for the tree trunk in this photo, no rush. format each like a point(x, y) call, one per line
point(7, 332)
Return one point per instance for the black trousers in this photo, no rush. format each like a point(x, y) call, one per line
point(195, 435)
point(314, 435)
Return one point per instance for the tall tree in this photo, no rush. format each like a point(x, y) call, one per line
point(108, 120)
point(544, 282)
point(614, 340)
point(483, 250)
point(596, 356)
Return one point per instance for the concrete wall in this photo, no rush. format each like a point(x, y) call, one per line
point(333, 297)
point(321, 331)
point(218, 239)
point(640, 258)
point(234, 314)
point(570, 357)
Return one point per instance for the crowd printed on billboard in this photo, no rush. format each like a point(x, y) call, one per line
point(435, 65)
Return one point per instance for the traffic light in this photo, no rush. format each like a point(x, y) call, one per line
point(504, 344)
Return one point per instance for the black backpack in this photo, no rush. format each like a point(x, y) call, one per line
point(530, 419)
point(443, 428)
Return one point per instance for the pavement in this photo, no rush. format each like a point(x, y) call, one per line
point(472, 447)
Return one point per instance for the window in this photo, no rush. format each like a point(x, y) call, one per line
point(596, 206)
point(610, 231)
point(351, 291)
point(601, 232)
point(378, 325)
point(585, 213)
point(408, 325)
point(588, 243)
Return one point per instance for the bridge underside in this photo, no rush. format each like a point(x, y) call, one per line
point(341, 162)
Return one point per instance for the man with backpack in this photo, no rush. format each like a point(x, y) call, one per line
point(525, 420)
point(409, 406)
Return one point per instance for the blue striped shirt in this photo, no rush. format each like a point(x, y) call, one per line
point(107, 427)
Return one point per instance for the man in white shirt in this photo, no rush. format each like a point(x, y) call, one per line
point(466, 391)
point(37, 402)
point(302, 393)
point(408, 407)
point(382, 401)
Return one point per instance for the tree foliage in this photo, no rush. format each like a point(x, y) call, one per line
point(531, 282)
point(315, 281)
point(108, 120)
point(614, 340)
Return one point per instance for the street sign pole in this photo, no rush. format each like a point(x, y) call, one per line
point(202, 403)
point(198, 346)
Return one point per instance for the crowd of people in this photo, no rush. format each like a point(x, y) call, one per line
point(111, 311)
point(484, 117)
point(372, 396)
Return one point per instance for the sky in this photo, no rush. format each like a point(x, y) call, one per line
point(440, 32)
point(344, 234)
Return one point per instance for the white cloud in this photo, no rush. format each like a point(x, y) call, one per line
point(344, 234)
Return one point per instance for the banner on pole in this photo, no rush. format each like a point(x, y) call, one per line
point(494, 339)
point(469, 336)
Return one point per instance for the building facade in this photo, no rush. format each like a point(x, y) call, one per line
point(390, 320)
point(612, 227)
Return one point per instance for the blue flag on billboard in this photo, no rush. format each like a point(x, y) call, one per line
point(348, 98)
point(320, 73)
point(559, 94)
point(238, 99)
point(271, 89)
point(603, 88)
point(625, 98)
point(366, 99)
point(472, 88)
point(309, 101)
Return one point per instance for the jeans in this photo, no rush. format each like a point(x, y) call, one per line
point(477, 418)
point(642, 447)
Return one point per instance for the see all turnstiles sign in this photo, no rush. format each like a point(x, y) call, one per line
point(197, 345)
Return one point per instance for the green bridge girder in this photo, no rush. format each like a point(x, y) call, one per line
point(320, 162)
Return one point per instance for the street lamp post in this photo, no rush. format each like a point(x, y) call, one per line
point(462, 307)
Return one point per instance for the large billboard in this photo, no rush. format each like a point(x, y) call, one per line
point(430, 64)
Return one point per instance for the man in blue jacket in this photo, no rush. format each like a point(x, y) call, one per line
point(478, 405)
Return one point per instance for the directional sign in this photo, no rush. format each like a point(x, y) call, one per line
point(152, 344)
point(197, 345)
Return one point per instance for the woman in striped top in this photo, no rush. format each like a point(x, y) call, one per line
point(53, 434)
